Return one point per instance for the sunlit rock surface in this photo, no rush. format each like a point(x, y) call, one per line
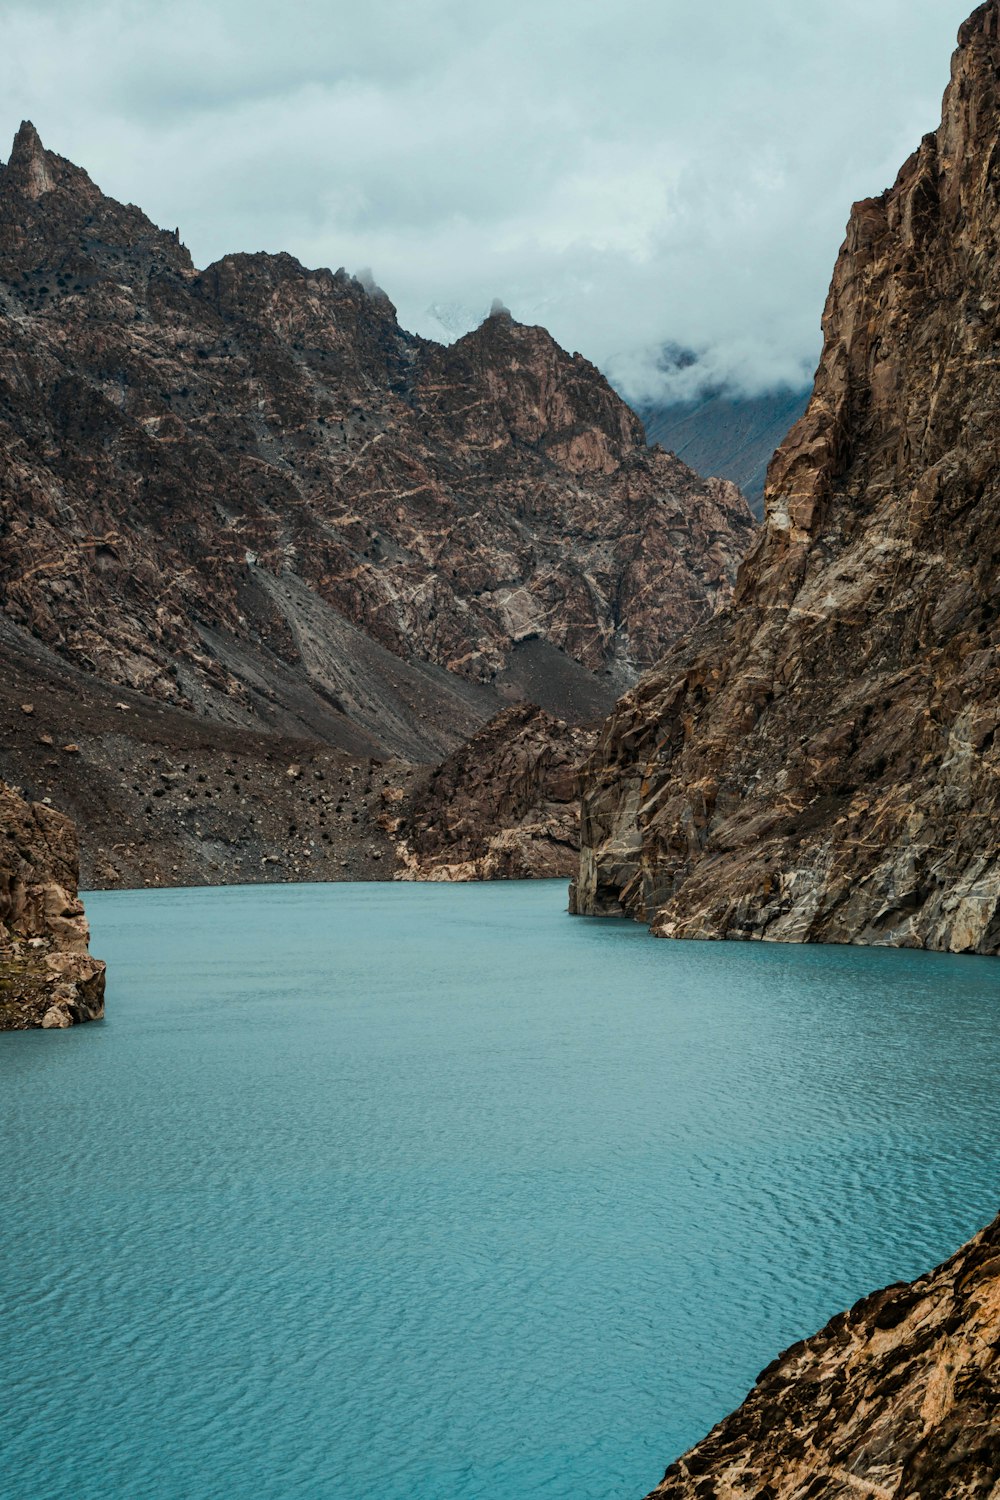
point(896, 1398)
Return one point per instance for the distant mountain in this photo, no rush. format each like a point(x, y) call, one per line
point(721, 432)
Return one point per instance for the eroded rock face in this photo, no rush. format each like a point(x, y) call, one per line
point(819, 762)
point(896, 1399)
point(47, 976)
point(247, 491)
point(505, 806)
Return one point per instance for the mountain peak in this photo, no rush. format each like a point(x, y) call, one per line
point(48, 203)
point(27, 141)
point(29, 162)
point(985, 19)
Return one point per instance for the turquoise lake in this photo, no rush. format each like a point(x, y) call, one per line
point(396, 1192)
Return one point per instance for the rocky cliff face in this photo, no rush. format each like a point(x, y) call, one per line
point(47, 976)
point(819, 762)
point(248, 492)
point(897, 1398)
point(505, 806)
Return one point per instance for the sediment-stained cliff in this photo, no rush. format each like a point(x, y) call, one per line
point(47, 976)
point(819, 762)
point(504, 806)
point(896, 1400)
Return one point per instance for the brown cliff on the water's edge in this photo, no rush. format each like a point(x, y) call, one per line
point(896, 1400)
point(47, 976)
point(242, 504)
point(819, 762)
point(504, 806)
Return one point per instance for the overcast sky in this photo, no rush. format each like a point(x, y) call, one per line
point(627, 172)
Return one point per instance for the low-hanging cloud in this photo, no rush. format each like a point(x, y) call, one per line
point(633, 175)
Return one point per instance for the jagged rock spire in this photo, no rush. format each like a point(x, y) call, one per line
point(27, 141)
point(29, 163)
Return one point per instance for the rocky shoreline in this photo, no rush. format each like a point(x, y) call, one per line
point(162, 797)
point(895, 1399)
point(47, 975)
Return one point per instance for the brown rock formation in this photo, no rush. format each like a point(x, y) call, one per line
point(248, 492)
point(47, 976)
point(819, 762)
point(895, 1400)
point(504, 806)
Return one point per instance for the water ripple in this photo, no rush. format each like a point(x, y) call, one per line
point(431, 1193)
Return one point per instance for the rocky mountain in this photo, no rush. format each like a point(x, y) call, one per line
point(248, 492)
point(504, 806)
point(819, 762)
point(47, 976)
point(721, 431)
point(248, 522)
point(896, 1398)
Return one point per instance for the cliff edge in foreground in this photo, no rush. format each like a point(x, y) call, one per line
point(819, 762)
point(896, 1398)
point(47, 976)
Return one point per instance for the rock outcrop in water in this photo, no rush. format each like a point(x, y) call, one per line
point(47, 976)
point(504, 806)
point(820, 761)
point(895, 1400)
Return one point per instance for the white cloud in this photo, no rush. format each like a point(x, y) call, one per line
point(628, 173)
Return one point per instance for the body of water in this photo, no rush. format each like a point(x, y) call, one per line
point(397, 1192)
